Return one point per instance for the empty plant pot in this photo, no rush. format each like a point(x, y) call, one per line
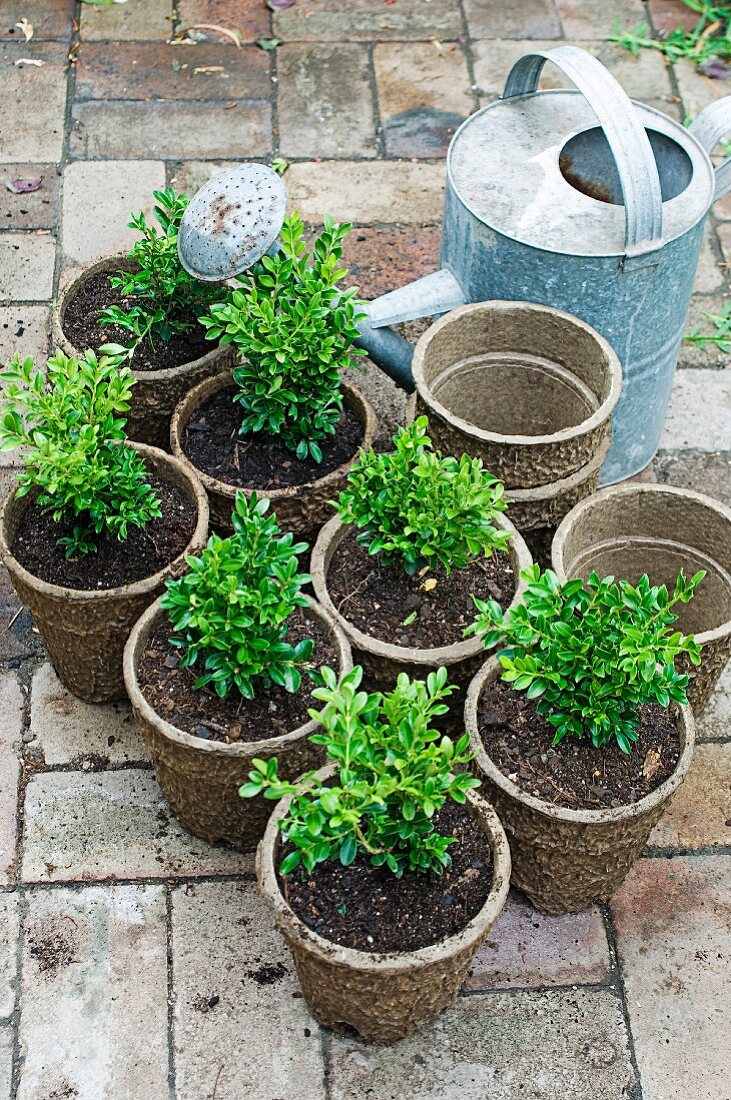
point(566, 859)
point(85, 631)
point(301, 508)
point(383, 997)
point(629, 530)
point(157, 392)
point(201, 778)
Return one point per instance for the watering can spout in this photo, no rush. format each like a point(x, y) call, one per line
point(427, 297)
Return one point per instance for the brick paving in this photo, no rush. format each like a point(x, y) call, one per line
point(131, 954)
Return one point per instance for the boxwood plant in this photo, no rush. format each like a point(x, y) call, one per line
point(417, 507)
point(394, 770)
point(230, 611)
point(592, 653)
point(71, 420)
point(294, 329)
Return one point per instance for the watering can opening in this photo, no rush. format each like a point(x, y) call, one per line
point(587, 163)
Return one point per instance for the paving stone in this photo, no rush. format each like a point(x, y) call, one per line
point(699, 412)
point(706, 473)
point(667, 15)
point(696, 89)
point(395, 191)
point(596, 18)
point(553, 1044)
point(18, 636)
point(325, 104)
point(171, 130)
point(382, 259)
point(24, 329)
point(67, 729)
point(250, 19)
point(527, 948)
point(700, 813)
point(26, 267)
point(723, 231)
point(6, 1063)
point(11, 709)
point(700, 355)
point(134, 20)
point(248, 972)
point(673, 922)
point(9, 930)
point(331, 20)
point(94, 994)
point(159, 70)
point(715, 722)
point(33, 209)
point(33, 102)
point(709, 277)
point(495, 19)
point(115, 824)
point(49, 18)
point(117, 189)
point(191, 175)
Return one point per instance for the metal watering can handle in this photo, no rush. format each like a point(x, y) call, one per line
point(708, 128)
point(623, 130)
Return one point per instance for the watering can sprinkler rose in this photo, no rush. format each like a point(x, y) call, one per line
point(579, 199)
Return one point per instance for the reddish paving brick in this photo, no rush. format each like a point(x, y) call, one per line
point(31, 209)
point(383, 259)
point(11, 709)
point(163, 71)
point(134, 20)
point(673, 922)
point(667, 15)
point(249, 18)
point(49, 18)
point(496, 19)
point(700, 813)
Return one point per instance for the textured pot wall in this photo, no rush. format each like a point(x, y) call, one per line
point(85, 632)
point(157, 392)
point(383, 997)
point(565, 860)
point(302, 509)
point(201, 779)
point(659, 530)
point(527, 389)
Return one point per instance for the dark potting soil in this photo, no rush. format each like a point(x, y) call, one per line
point(82, 328)
point(379, 598)
point(168, 688)
point(213, 444)
point(574, 773)
point(369, 909)
point(143, 553)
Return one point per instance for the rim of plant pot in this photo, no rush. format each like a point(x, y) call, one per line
point(584, 427)
point(328, 540)
point(385, 962)
point(206, 389)
point(644, 493)
point(118, 261)
point(133, 652)
point(136, 588)
point(490, 672)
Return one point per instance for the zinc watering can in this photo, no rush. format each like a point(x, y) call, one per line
point(579, 199)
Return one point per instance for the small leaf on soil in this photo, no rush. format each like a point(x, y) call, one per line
point(26, 27)
point(24, 187)
point(429, 584)
point(652, 763)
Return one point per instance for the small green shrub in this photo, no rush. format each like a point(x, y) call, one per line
point(591, 653)
point(706, 44)
point(294, 330)
point(394, 771)
point(231, 610)
point(72, 422)
point(164, 298)
point(418, 507)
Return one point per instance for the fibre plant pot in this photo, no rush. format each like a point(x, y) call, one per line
point(383, 997)
point(528, 389)
point(382, 661)
point(85, 631)
point(564, 860)
point(157, 392)
point(629, 530)
point(302, 509)
point(201, 778)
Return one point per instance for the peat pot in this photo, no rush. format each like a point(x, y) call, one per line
point(527, 389)
point(657, 529)
point(382, 661)
point(200, 779)
point(156, 392)
point(301, 509)
point(382, 997)
point(563, 859)
point(85, 631)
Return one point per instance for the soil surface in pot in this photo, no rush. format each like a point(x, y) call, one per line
point(380, 599)
point(213, 444)
point(81, 326)
point(369, 909)
point(144, 552)
point(574, 773)
point(169, 690)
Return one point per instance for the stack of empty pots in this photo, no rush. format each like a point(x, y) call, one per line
point(529, 390)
